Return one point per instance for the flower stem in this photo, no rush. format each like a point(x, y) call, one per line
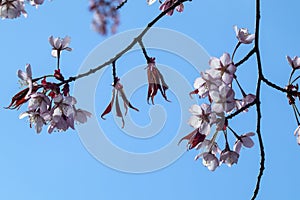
point(291, 75)
point(236, 47)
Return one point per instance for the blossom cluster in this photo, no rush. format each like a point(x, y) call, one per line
point(105, 14)
point(208, 120)
point(49, 103)
point(14, 8)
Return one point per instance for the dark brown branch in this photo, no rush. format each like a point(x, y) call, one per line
point(241, 110)
point(144, 50)
point(121, 53)
point(273, 85)
point(258, 103)
point(245, 58)
point(121, 5)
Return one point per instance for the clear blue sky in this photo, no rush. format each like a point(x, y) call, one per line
point(58, 166)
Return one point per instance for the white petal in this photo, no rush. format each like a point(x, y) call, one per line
point(24, 114)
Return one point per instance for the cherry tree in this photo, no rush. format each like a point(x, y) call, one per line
point(50, 103)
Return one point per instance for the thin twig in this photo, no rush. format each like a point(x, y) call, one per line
point(121, 5)
point(273, 85)
point(241, 110)
point(121, 53)
point(245, 58)
point(144, 50)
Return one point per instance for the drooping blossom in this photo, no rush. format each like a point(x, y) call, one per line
point(222, 68)
point(116, 92)
point(295, 62)
point(36, 118)
point(209, 160)
point(12, 9)
point(59, 45)
point(194, 138)
point(156, 81)
point(39, 101)
point(243, 35)
point(38, 111)
point(168, 3)
point(62, 113)
point(244, 140)
point(229, 157)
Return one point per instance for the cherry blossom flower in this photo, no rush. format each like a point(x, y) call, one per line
point(116, 92)
point(200, 88)
point(202, 117)
point(244, 140)
point(243, 35)
point(39, 101)
point(223, 99)
point(194, 138)
point(222, 68)
point(36, 118)
point(62, 113)
point(295, 62)
point(156, 81)
point(12, 9)
point(229, 157)
point(209, 160)
point(168, 3)
point(26, 78)
point(59, 45)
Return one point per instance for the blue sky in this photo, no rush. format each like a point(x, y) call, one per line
point(58, 166)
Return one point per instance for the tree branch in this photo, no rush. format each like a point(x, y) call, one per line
point(241, 110)
point(121, 53)
point(258, 103)
point(246, 57)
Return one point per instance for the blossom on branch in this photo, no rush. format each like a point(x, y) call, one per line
point(202, 117)
point(244, 140)
point(243, 35)
point(229, 157)
point(295, 62)
point(59, 45)
point(12, 9)
point(222, 68)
